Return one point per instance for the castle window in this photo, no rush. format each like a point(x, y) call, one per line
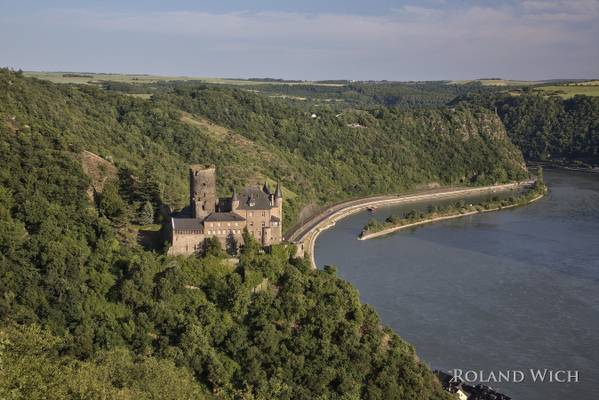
point(262, 223)
point(263, 214)
point(229, 224)
point(251, 223)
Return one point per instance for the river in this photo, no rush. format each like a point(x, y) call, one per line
point(516, 289)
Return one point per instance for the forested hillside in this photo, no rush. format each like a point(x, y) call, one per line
point(86, 314)
point(548, 128)
point(319, 160)
point(120, 322)
point(361, 152)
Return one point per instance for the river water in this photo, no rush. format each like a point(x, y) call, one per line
point(516, 289)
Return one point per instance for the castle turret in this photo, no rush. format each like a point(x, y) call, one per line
point(234, 201)
point(278, 202)
point(278, 196)
point(265, 188)
point(202, 183)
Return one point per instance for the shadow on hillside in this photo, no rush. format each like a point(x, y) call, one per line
point(151, 238)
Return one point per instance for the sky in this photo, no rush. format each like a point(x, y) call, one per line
point(306, 39)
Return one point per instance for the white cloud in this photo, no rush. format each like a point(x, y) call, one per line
point(535, 39)
point(562, 10)
point(588, 7)
point(409, 22)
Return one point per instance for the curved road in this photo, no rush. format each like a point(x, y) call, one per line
point(305, 234)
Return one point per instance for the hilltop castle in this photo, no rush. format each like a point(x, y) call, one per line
point(257, 209)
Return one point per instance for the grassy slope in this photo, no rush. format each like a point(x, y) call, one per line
point(254, 154)
point(569, 91)
point(496, 82)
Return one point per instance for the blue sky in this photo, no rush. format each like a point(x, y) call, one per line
point(376, 39)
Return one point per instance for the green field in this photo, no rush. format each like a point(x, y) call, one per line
point(95, 78)
point(567, 91)
point(495, 82)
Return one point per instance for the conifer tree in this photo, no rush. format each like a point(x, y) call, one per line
point(146, 214)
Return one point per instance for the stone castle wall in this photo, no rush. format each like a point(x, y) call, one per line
point(184, 244)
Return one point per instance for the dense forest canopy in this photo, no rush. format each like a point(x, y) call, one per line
point(336, 95)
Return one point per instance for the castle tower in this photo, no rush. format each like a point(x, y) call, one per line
point(202, 185)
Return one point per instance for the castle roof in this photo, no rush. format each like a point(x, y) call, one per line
point(253, 198)
point(224, 216)
point(278, 192)
point(188, 224)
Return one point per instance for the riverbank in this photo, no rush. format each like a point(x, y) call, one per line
point(457, 214)
point(305, 236)
point(566, 166)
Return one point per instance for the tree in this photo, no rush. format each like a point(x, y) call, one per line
point(213, 247)
point(112, 205)
point(232, 245)
point(146, 214)
point(250, 245)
